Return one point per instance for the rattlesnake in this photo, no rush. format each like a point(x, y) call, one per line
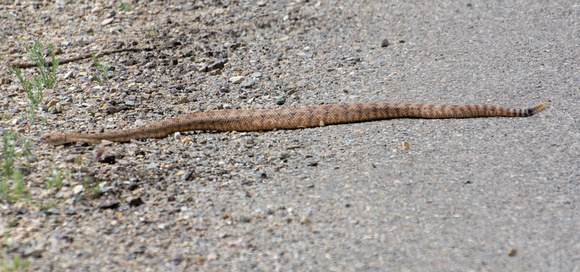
point(292, 118)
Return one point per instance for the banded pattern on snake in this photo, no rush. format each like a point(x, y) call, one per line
point(292, 118)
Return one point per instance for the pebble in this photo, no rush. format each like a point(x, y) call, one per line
point(385, 43)
point(247, 83)
point(152, 166)
point(283, 155)
point(281, 100)
point(68, 75)
point(353, 59)
point(112, 204)
point(115, 30)
point(216, 65)
point(108, 158)
point(107, 21)
point(78, 189)
point(112, 109)
point(257, 75)
point(211, 257)
point(13, 88)
point(135, 201)
point(140, 123)
point(237, 79)
point(97, 9)
point(188, 175)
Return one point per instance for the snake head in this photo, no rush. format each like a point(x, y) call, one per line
point(55, 139)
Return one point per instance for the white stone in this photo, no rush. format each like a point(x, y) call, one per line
point(237, 79)
point(107, 21)
point(78, 189)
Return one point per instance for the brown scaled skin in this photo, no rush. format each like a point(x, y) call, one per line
point(292, 118)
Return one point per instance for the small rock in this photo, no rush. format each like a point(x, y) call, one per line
point(150, 65)
point(216, 65)
point(385, 43)
point(257, 75)
point(116, 30)
point(245, 218)
point(109, 204)
point(30, 252)
point(108, 158)
point(97, 9)
point(112, 109)
point(70, 212)
point(211, 257)
point(52, 211)
point(281, 100)
point(135, 201)
point(247, 83)
point(107, 21)
point(106, 142)
point(183, 100)
point(152, 166)
point(187, 175)
point(140, 249)
point(237, 79)
point(353, 59)
point(78, 189)
point(284, 155)
point(69, 74)
point(139, 123)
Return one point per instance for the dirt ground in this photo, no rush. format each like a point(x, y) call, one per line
point(484, 194)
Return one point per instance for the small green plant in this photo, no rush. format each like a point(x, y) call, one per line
point(47, 72)
point(46, 206)
point(18, 185)
point(17, 264)
point(6, 264)
point(8, 151)
point(92, 187)
point(102, 70)
point(125, 7)
point(56, 178)
point(47, 77)
point(6, 116)
point(11, 180)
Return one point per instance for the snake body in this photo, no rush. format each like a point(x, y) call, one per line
point(292, 118)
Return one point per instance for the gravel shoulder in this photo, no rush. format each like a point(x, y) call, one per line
point(487, 194)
